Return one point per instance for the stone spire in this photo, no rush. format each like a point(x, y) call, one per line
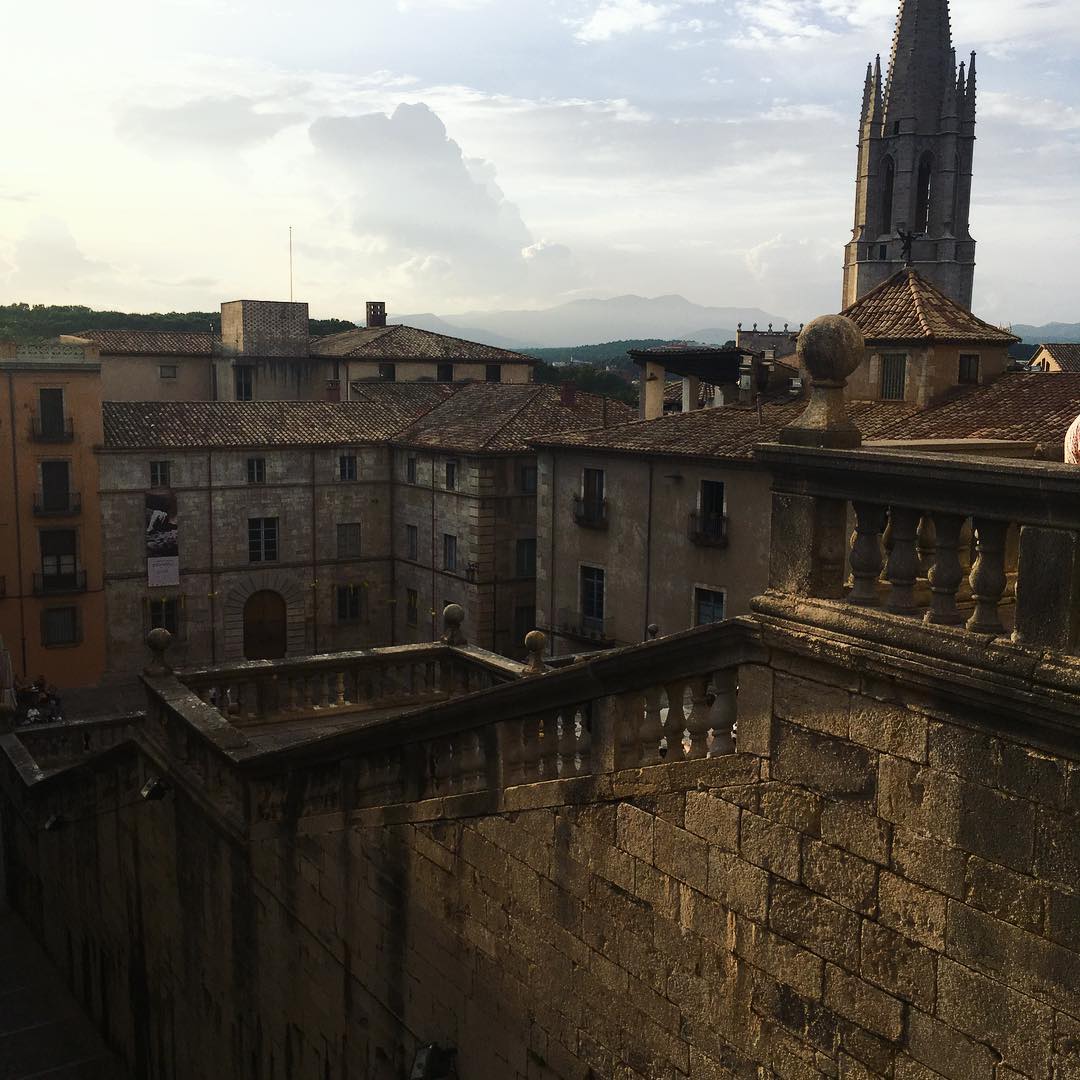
point(922, 67)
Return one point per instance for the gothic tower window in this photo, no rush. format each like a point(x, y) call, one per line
point(887, 196)
point(924, 193)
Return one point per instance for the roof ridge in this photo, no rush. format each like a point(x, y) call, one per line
point(537, 391)
point(914, 280)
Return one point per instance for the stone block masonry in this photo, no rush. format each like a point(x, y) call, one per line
point(883, 888)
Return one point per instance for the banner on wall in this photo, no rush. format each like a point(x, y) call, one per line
point(162, 541)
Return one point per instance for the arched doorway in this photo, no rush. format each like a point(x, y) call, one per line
point(265, 626)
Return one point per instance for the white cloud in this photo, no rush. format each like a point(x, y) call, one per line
point(614, 17)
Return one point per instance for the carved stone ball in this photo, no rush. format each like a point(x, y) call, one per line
point(453, 615)
point(536, 641)
point(831, 348)
point(159, 639)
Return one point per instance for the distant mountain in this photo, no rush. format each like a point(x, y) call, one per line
point(436, 325)
point(1055, 332)
point(593, 322)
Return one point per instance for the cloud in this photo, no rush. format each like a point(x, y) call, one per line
point(220, 123)
point(47, 260)
point(615, 17)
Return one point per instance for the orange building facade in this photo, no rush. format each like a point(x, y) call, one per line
point(52, 606)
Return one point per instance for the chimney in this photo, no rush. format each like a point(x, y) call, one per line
point(376, 314)
point(569, 394)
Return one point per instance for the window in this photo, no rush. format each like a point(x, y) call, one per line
point(256, 470)
point(159, 474)
point(350, 603)
point(527, 480)
point(348, 541)
point(524, 623)
point(55, 486)
point(712, 515)
point(167, 371)
point(924, 194)
point(347, 467)
point(592, 597)
point(412, 607)
point(60, 626)
point(411, 470)
point(58, 561)
point(708, 607)
point(262, 539)
point(388, 372)
point(493, 373)
point(449, 548)
point(164, 613)
point(451, 476)
point(526, 558)
point(51, 413)
point(245, 382)
point(888, 191)
point(445, 373)
point(592, 486)
point(893, 376)
point(412, 542)
point(969, 368)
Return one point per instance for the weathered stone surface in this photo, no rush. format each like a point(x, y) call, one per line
point(820, 925)
point(892, 730)
point(911, 910)
point(946, 1050)
point(1005, 895)
point(794, 807)
point(822, 763)
point(737, 885)
point(772, 847)
point(755, 710)
point(813, 705)
point(863, 1004)
point(782, 959)
point(840, 876)
point(854, 827)
point(900, 966)
point(713, 819)
point(929, 862)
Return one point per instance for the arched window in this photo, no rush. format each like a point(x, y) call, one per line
point(889, 186)
point(957, 224)
point(924, 193)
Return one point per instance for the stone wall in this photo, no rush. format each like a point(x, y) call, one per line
point(879, 884)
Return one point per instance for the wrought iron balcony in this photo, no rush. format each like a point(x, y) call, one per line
point(59, 584)
point(57, 503)
point(52, 431)
point(708, 530)
point(591, 513)
point(575, 624)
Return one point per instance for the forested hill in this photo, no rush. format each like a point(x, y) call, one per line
point(25, 322)
point(611, 352)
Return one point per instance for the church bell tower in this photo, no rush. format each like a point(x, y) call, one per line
point(916, 145)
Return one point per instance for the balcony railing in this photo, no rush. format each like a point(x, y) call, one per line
point(52, 431)
point(59, 584)
point(57, 504)
point(591, 513)
point(573, 623)
point(708, 530)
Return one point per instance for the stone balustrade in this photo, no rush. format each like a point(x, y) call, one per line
point(987, 546)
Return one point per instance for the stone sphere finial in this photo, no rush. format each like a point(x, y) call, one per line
point(654, 631)
point(453, 619)
point(158, 641)
point(536, 643)
point(829, 349)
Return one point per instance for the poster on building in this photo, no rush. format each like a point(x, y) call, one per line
point(162, 541)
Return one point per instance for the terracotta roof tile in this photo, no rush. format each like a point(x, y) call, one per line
point(408, 343)
point(486, 418)
point(149, 342)
point(1066, 354)
point(908, 308)
point(382, 411)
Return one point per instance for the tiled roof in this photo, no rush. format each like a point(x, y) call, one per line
point(485, 418)
point(149, 342)
point(1035, 408)
point(1066, 354)
point(381, 413)
point(388, 343)
point(908, 308)
point(673, 393)
point(728, 432)
point(1025, 407)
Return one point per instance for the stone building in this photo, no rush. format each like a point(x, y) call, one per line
point(306, 527)
point(265, 352)
point(916, 150)
point(836, 838)
point(52, 600)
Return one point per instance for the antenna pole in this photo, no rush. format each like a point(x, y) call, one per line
point(290, 266)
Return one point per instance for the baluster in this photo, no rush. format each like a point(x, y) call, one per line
point(699, 721)
point(867, 558)
point(567, 728)
point(624, 715)
point(531, 759)
point(988, 578)
point(650, 728)
point(675, 727)
point(725, 713)
point(902, 569)
point(946, 575)
point(926, 543)
point(306, 688)
point(294, 696)
point(441, 766)
point(583, 725)
point(510, 735)
point(339, 685)
point(470, 762)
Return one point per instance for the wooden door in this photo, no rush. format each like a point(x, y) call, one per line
point(265, 626)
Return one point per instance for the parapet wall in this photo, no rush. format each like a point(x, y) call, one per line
point(881, 882)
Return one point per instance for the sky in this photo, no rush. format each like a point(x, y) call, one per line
point(459, 155)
